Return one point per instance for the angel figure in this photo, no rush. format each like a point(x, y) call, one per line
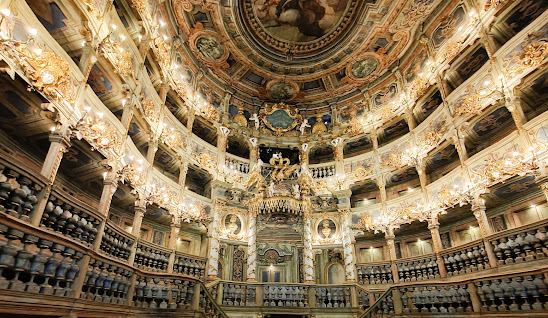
point(303, 126)
point(255, 118)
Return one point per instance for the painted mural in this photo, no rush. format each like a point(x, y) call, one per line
point(299, 20)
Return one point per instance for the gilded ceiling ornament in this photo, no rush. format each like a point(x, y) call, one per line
point(255, 178)
point(149, 110)
point(319, 127)
point(282, 170)
point(122, 58)
point(133, 173)
point(172, 138)
point(364, 68)
point(209, 112)
point(355, 127)
point(48, 73)
point(162, 50)
point(532, 55)
point(101, 136)
point(494, 3)
point(205, 161)
point(239, 118)
point(279, 204)
point(280, 118)
point(474, 101)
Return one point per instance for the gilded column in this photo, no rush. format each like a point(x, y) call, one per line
point(308, 256)
point(348, 246)
point(252, 250)
point(338, 153)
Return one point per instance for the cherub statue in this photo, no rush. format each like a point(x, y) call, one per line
point(271, 189)
point(296, 191)
point(304, 124)
point(255, 118)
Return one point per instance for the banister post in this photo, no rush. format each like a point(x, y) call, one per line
point(311, 297)
point(196, 297)
point(79, 279)
point(219, 296)
point(476, 303)
point(398, 304)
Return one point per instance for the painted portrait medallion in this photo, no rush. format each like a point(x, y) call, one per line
point(364, 67)
point(210, 48)
point(282, 91)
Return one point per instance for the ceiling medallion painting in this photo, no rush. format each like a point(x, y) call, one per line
point(208, 46)
point(280, 118)
point(280, 90)
point(299, 22)
point(365, 67)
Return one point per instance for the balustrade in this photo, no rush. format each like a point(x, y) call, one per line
point(239, 295)
point(466, 259)
point(322, 172)
point(285, 296)
point(208, 306)
point(155, 292)
point(188, 265)
point(29, 263)
point(18, 191)
point(333, 297)
point(424, 268)
point(63, 216)
point(106, 283)
point(521, 244)
point(116, 243)
point(239, 166)
point(384, 306)
point(436, 299)
point(527, 292)
point(371, 274)
point(151, 258)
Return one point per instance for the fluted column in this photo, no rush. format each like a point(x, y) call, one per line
point(252, 249)
point(308, 256)
point(348, 246)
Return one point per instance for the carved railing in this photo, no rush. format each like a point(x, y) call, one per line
point(157, 292)
point(418, 269)
point(320, 172)
point(466, 258)
point(521, 244)
point(333, 297)
point(436, 299)
point(116, 243)
point(235, 164)
point(382, 307)
point(19, 190)
point(235, 294)
point(106, 282)
point(151, 257)
point(375, 273)
point(36, 265)
point(285, 296)
point(189, 265)
point(67, 216)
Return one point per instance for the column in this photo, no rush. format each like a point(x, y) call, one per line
point(421, 170)
point(59, 144)
point(253, 152)
point(222, 140)
point(214, 244)
point(308, 256)
point(109, 187)
point(391, 245)
point(140, 211)
point(252, 249)
point(348, 246)
point(478, 207)
point(183, 172)
point(190, 119)
point(434, 227)
point(127, 113)
point(175, 226)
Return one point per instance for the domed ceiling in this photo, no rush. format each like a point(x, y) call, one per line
point(312, 54)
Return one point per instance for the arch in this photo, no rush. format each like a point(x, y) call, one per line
point(334, 273)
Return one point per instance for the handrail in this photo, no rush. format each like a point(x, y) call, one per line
point(203, 287)
point(367, 312)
